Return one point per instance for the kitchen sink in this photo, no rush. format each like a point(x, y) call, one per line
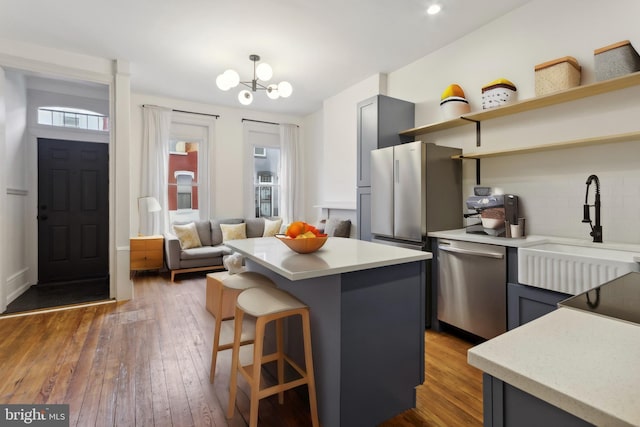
point(573, 269)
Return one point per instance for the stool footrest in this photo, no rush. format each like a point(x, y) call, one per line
point(274, 389)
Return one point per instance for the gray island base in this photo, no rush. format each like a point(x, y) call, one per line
point(367, 304)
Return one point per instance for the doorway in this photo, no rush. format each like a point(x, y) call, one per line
point(73, 225)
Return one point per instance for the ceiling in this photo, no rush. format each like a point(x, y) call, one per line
point(176, 48)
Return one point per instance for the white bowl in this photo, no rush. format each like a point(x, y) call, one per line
point(453, 107)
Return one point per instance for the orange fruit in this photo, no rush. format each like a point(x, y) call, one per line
point(295, 228)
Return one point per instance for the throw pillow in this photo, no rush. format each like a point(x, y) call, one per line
point(216, 232)
point(271, 227)
point(188, 235)
point(338, 227)
point(233, 231)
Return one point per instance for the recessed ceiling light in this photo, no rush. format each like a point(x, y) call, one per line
point(433, 9)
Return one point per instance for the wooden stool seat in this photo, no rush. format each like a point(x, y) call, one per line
point(247, 280)
point(262, 302)
point(222, 291)
point(268, 304)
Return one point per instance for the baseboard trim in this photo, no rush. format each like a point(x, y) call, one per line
point(17, 284)
point(52, 309)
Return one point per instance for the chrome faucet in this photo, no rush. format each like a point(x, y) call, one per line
point(596, 230)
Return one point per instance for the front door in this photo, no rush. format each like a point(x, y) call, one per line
point(73, 210)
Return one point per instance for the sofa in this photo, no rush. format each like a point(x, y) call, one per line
point(199, 245)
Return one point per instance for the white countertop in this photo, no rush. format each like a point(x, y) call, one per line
point(585, 364)
point(461, 234)
point(338, 255)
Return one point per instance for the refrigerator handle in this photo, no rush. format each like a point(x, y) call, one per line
point(396, 171)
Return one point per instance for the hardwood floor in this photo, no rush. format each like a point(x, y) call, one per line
point(145, 362)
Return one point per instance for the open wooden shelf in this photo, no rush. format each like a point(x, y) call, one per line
point(584, 142)
point(568, 95)
point(434, 127)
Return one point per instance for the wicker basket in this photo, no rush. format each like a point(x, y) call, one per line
point(616, 60)
point(559, 74)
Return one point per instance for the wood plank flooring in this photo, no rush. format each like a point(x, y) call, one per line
point(145, 362)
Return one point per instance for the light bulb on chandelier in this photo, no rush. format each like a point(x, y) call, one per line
point(263, 71)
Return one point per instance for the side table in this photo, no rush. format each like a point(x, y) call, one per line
point(146, 253)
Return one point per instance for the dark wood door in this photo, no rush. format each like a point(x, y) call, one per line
point(73, 210)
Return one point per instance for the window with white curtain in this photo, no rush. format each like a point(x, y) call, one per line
point(189, 197)
point(262, 166)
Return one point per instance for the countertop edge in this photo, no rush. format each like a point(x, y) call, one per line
point(322, 273)
point(481, 358)
point(415, 256)
point(530, 240)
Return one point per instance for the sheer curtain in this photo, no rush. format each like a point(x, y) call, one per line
point(291, 183)
point(154, 168)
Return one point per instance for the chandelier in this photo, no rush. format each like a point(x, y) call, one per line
point(261, 72)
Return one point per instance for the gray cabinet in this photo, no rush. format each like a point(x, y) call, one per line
point(508, 406)
point(364, 213)
point(380, 120)
point(526, 303)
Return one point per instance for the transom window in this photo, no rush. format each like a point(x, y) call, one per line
point(73, 118)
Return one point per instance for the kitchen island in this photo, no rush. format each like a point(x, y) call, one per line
point(367, 303)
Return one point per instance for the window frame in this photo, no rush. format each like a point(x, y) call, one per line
point(76, 114)
point(199, 129)
point(252, 132)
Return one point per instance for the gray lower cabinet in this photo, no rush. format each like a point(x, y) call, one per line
point(526, 303)
point(507, 406)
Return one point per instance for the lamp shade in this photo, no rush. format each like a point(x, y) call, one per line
point(227, 80)
point(272, 92)
point(264, 72)
point(148, 204)
point(285, 89)
point(245, 97)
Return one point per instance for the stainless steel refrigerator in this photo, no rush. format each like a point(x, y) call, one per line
point(416, 188)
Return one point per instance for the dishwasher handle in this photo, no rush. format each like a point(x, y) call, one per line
point(471, 252)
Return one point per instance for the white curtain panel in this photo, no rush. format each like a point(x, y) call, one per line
point(155, 165)
point(291, 184)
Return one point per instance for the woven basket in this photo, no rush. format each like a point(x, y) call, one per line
point(616, 60)
point(559, 74)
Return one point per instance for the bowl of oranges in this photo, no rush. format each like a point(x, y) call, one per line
point(302, 238)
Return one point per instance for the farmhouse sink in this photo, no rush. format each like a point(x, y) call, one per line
point(572, 269)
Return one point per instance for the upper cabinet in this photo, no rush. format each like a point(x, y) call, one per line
point(380, 121)
point(533, 104)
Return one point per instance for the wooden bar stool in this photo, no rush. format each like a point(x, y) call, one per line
point(222, 294)
point(267, 305)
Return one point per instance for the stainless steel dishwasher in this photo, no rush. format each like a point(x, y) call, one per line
point(472, 292)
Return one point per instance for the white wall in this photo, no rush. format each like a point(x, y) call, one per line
point(15, 261)
point(227, 162)
point(3, 193)
point(338, 173)
point(312, 134)
point(551, 184)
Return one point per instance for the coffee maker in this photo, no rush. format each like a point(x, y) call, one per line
point(494, 210)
